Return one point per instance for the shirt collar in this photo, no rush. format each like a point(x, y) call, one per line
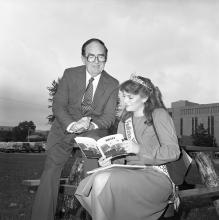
point(88, 76)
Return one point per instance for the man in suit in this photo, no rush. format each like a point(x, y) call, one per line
point(81, 108)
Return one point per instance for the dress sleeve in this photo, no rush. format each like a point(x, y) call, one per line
point(165, 148)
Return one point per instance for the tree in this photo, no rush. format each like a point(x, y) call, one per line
point(203, 138)
point(23, 130)
point(5, 136)
point(52, 91)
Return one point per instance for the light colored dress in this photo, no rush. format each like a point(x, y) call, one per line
point(139, 194)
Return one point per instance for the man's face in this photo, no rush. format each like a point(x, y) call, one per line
point(94, 58)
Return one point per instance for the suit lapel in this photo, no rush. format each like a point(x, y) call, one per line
point(82, 77)
point(81, 80)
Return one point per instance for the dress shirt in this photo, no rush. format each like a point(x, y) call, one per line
point(95, 81)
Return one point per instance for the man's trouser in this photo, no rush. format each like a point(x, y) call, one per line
point(44, 206)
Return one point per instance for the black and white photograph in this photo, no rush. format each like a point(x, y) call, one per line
point(144, 69)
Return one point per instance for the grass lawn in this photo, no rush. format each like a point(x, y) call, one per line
point(15, 198)
point(14, 168)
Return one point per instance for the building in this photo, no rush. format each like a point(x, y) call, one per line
point(188, 115)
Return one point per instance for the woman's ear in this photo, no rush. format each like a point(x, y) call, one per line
point(144, 99)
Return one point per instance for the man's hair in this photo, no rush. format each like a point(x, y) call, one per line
point(90, 41)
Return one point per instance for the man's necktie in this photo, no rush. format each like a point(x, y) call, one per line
point(86, 104)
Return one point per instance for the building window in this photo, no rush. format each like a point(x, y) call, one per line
point(181, 126)
point(193, 130)
point(196, 124)
point(212, 125)
point(209, 124)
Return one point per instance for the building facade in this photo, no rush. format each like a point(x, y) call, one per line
point(188, 115)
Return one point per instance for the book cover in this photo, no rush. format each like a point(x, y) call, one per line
point(116, 166)
point(108, 146)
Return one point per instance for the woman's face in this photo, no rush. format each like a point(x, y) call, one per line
point(133, 103)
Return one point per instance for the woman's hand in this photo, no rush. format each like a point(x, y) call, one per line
point(103, 161)
point(131, 147)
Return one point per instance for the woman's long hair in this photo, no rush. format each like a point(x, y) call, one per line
point(144, 87)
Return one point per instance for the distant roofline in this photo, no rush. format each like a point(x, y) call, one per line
point(186, 103)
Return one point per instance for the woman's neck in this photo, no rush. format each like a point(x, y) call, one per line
point(138, 113)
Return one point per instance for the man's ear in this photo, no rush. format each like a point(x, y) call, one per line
point(83, 59)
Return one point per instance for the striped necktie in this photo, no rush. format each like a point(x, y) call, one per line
point(86, 104)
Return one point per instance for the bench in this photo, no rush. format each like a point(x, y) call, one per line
point(190, 198)
point(208, 191)
point(36, 182)
point(193, 198)
point(188, 195)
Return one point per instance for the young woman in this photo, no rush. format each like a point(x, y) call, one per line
point(130, 194)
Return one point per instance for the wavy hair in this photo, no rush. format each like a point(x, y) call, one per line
point(144, 87)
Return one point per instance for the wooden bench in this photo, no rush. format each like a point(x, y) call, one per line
point(191, 195)
point(188, 195)
point(36, 182)
point(203, 193)
point(190, 198)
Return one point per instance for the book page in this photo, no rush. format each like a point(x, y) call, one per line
point(111, 145)
point(117, 166)
point(88, 147)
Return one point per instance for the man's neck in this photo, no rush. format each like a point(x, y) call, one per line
point(91, 75)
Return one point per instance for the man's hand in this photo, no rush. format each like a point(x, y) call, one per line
point(81, 125)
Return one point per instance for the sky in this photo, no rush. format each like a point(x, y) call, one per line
point(175, 43)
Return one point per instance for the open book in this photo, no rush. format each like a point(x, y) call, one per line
point(108, 146)
point(118, 166)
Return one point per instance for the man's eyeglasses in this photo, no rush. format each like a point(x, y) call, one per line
point(100, 58)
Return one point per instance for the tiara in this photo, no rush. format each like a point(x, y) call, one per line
point(136, 79)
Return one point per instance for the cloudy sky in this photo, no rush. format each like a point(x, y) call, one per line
point(173, 42)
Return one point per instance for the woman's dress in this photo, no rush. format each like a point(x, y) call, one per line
point(139, 194)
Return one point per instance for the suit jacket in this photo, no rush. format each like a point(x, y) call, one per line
point(67, 102)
